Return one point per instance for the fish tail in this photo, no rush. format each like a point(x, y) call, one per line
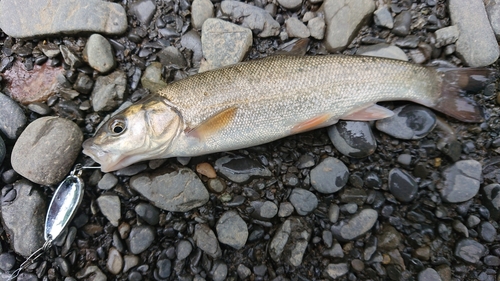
point(454, 83)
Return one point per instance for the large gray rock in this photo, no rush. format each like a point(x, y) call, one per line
point(477, 44)
point(46, 150)
point(178, 191)
point(252, 17)
point(344, 18)
point(31, 18)
point(24, 217)
point(224, 43)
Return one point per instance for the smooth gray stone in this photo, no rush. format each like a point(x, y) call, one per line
point(329, 176)
point(148, 213)
point(144, 10)
point(107, 182)
point(183, 249)
point(46, 150)
point(295, 28)
point(290, 241)
point(303, 201)
point(402, 24)
point(92, 270)
point(290, 4)
point(336, 270)
point(23, 218)
point(115, 261)
point(317, 27)
point(12, 118)
point(191, 40)
point(461, 181)
point(493, 11)
point(470, 250)
point(409, 122)
point(491, 199)
point(33, 18)
point(359, 224)
point(178, 191)
point(205, 240)
point(110, 207)
point(99, 54)
point(201, 10)
point(232, 230)
point(383, 17)
point(428, 274)
point(253, 17)
point(402, 185)
point(172, 57)
point(446, 36)
point(109, 91)
point(219, 271)
point(140, 238)
point(353, 138)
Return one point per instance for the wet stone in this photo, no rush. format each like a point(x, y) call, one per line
point(335, 251)
point(264, 210)
point(232, 230)
point(473, 221)
point(99, 54)
point(491, 260)
point(205, 239)
point(7, 261)
point(402, 24)
point(201, 10)
point(12, 118)
point(40, 108)
point(409, 122)
point(219, 271)
point(383, 17)
point(191, 40)
point(164, 267)
point(382, 50)
point(24, 19)
point(336, 270)
point(107, 182)
point(207, 170)
point(461, 181)
point(303, 201)
point(140, 238)
point(240, 169)
point(296, 29)
point(359, 224)
point(329, 176)
point(253, 17)
point(110, 208)
point(290, 241)
point(148, 213)
point(26, 231)
point(389, 238)
point(183, 249)
point(429, 274)
point(333, 213)
point(143, 10)
point(487, 232)
point(115, 261)
point(47, 149)
point(178, 191)
point(491, 199)
point(402, 185)
point(353, 138)
point(109, 91)
point(469, 250)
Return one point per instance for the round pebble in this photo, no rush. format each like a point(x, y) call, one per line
point(409, 122)
point(353, 138)
point(429, 274)
point(232, 230)
point(164, 267)
point(336, 270)
point(402, 185)
point(7, 261)
point(183, 249)
point(329, 176)
point(303, 201)
point(148, 213)
point(201, 10)
point(205, 240)
point(219, 271)
point(115, 261)
point(461, 181)
point(207, 170)
point(140, 238)
point(110, 207)
point(285, 210)
point(487, 232)
point(469, 250)
point(359, 224)
point(107, 182)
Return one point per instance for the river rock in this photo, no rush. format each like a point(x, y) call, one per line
point(336, 270)
point(329, 176)
point(402, 185)
point(23, 218)
point(232, 230)
point(477, 44)
point(383, 17)
point(253, 17)
point(109, 91)
point(110, 208)
point(46, 150)
point(201, 10)
point(151, 78)
point(290, 241)
point(402, 24)
point(470, 250)
point(178, 191)
point(446, 36)
point(461, 181)
point(144, 10)
point(33, 18)
point(353, 138)
point(303, 201)
point(191, 40)
point(99, 54)
point(343, 20)
point(409, 122)
point(12, 118)
point(491, 200)
point(493, 11)
point(205, 239)
point(240, 169)
point(224, 43)
point(359, 224)
point(317, 27)
point(429, 274)
point(295, 28)
point(140, 238)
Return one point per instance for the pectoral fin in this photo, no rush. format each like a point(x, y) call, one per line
point(213, 124)
point(313, 123)
point(373, 112)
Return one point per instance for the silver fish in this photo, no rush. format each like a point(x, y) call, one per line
point(259, 101)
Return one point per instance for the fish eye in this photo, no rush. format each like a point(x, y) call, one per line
point(118, 126)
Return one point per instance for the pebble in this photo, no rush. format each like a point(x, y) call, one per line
point(232, 230)
point(148, 213)
point(205, 239)
point(109, 91)
point(493, 11)
point(336, 270)
point(469, 250)
point(83, 83)
point(207, 170)
point(201, 10)
point(402, 185)
point(107, 182)
point(144, 10)
point(115, 261)
point(317, 27)
point(359, 224)
point(290, 241)
point(296, 29)
point(130, 261)
point(388, 238)
point(183, 249)
point(164, 268)
point(46, 150)
point(12, 118)
point(3, 151)
point(91, 270)
point(219, 271)
point(240, 169)
point(24, 19)
point(477, 44)
point(99, 54)
point(303, 201)
point(409, 122)
point(343, 21)
point(172, 57)
point(329, 176)
point(353, 138)
point(255, 18)
point(402, 24)
point(224, 43)
point(473, 221)
point(383, 17)
point(40, 108)
point(446, 36)
point(290, 4)
point(487, 232)
point(333, 213)
point(429, 274)
point(335, 251)
point(243, 271)
point(7, 261)
point(140, 238)
point(491, 260)
point(151, 78)
point(461, 181)
point(191, 40)
point(178, 191)
point(285, 210)
point(382, 50)
point(110, 207)
point(491, 200)
point(25, 231)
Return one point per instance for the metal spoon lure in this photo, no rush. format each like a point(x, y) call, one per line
point(62, 208)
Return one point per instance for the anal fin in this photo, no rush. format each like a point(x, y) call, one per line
point(373, 112)
point(311, 124)
point(213, 124)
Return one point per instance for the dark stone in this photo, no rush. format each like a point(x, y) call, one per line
point(402, 185)
point(353, 138)
point(12, 118)
point(240, 169)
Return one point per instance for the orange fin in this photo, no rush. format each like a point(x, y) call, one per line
point(213, 124)
point(311, 124)
point(373, 112)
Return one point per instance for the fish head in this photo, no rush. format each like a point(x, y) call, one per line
point(143, 131)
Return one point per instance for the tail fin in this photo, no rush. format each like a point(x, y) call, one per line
point(454, 83)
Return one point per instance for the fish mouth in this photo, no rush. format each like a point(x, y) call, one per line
point(104, 158)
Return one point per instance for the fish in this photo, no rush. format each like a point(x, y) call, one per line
point(259, 101)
